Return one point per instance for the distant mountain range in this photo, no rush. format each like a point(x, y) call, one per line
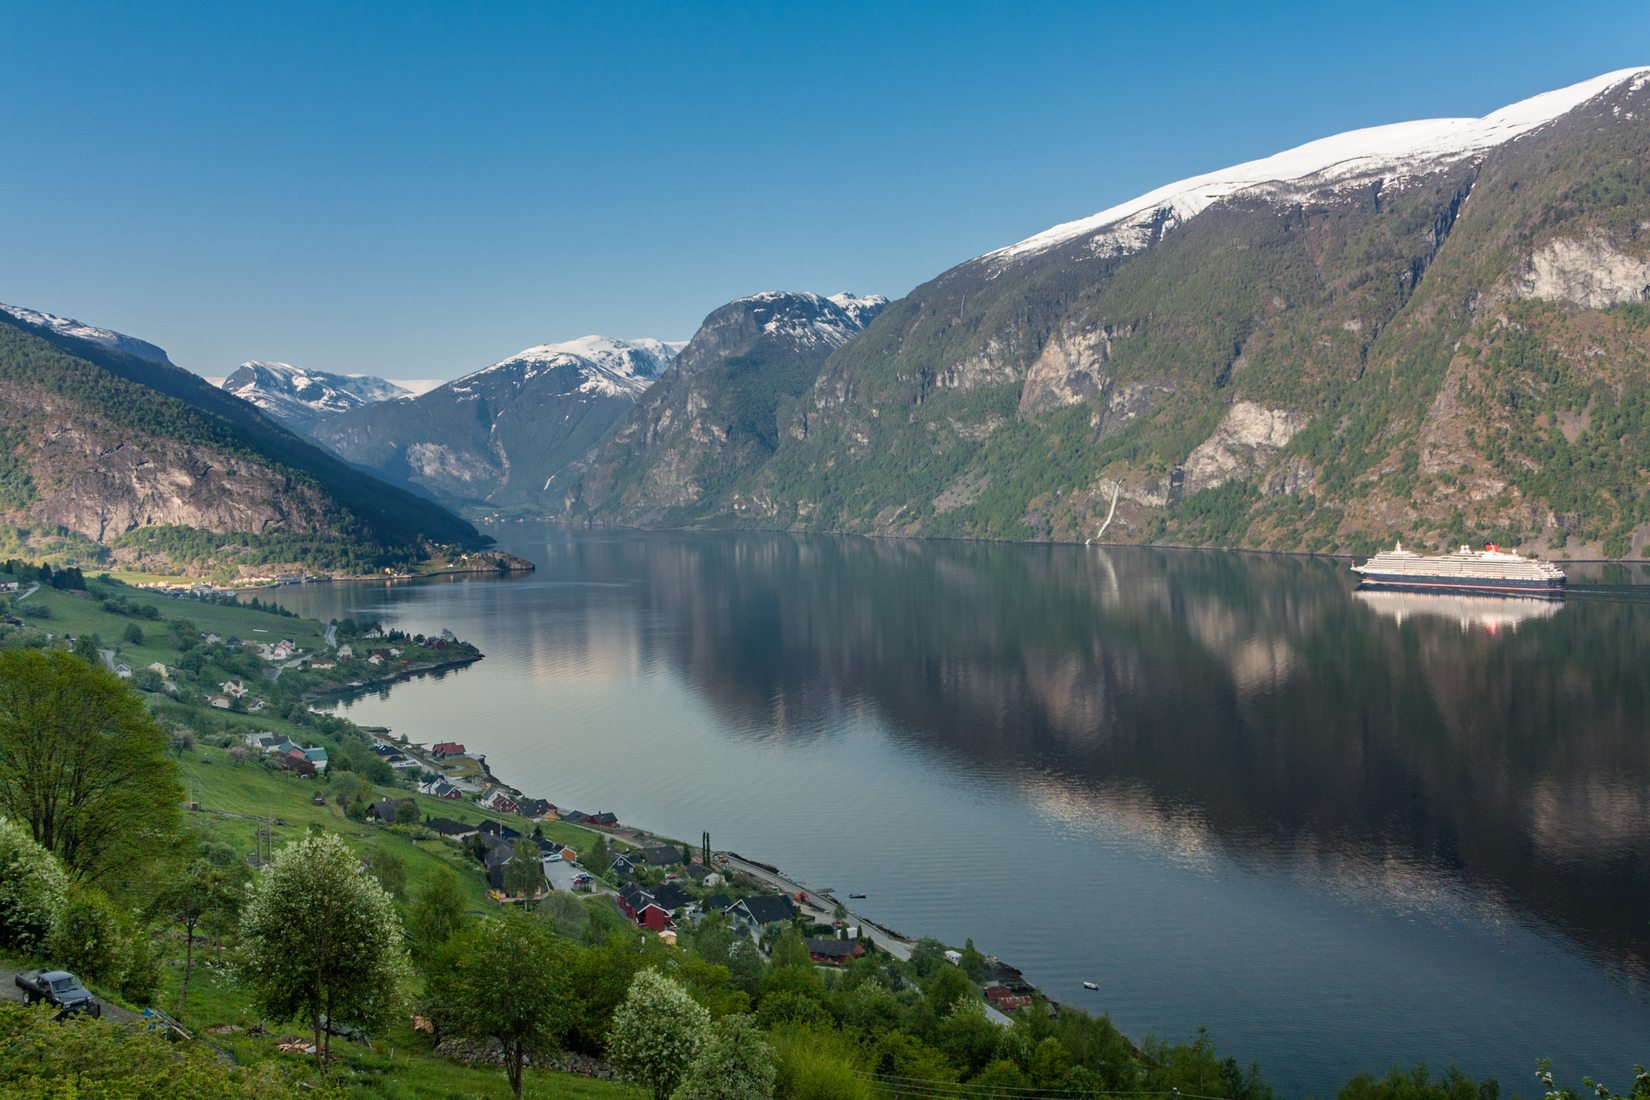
point(499, 437)
point(1438, 330)
point(110, 453)
point(301, 398)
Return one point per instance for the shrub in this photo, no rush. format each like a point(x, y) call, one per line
point(32, 889)
point(89, 938)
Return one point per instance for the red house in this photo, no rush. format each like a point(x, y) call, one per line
point(654, 919)
point(1005, 999)
point(447, 748)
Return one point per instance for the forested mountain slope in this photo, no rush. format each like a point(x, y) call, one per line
point(1435, 329)
point(108, 453)
point(715, 415)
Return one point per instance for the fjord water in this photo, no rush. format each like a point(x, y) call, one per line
point(1338, 831)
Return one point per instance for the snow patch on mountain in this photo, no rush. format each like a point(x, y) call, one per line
point(1403, 148)
point(862, 310)
point(301, 398)
point(811, 320)
point(65, 326)
point(596, 365)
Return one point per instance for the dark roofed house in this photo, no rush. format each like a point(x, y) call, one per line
point(717, 903)
point(605, 819)
point(385, 809)
point(534, 807)
point(452, 830)
point(575, 817)
point(835, 952)
point(761, 910)
point(294, 761)
point(443, 749)
point(556, 851)
point(632, 900)
point(662, 855)
point(498, 828)
point(698, 872)
point(671, 896)
point(626, 864)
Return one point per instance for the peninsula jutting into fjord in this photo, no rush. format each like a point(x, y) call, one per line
point(1490, 571)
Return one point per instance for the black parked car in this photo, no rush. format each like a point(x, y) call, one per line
point(59, 988)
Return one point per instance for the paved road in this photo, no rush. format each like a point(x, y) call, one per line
point(32, 590)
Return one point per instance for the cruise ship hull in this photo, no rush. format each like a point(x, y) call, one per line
point(1537, 587)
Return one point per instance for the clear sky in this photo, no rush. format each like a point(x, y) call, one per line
point(417, 191)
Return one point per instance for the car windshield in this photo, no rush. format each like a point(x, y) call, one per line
point(63, 985)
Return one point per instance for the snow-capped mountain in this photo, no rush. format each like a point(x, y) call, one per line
point(498, 437)
point(1395, 153)
point(1387, 331)
point(860, 310)
point(64, 326)
point(603, 365)
point(715, 413)
point(302, 398)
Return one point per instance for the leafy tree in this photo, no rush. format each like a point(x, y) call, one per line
point(437, 914)
point(599, 859)
point(83, 764)
point(972, 962)
point(205, 890)
point(506, 979)
point(927, 956)
point(657, 1032)
point(319, 936)
point(390, 871)
point(86, 649)
point(406, 813)
point(33, 889)
point(734, 1063)
point(524, 874)
point(1544, 1073)
point(88, 937)
point(133, 634)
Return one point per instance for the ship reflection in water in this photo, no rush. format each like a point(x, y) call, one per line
point(1492, 613)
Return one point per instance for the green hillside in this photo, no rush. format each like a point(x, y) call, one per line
point(101, 449)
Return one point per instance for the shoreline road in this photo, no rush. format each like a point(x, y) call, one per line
point(824, 906)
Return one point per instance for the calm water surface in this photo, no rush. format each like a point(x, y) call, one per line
point(1338, 831)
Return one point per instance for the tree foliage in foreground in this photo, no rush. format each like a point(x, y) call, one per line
point(657, 1033)
point(32, 889)
point(320, 937)
point(506, 979)
point(80, 1057)
point(83, 766)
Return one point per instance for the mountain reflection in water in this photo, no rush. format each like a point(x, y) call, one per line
point(1178, 749)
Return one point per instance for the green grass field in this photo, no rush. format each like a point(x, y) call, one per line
point(231, 798)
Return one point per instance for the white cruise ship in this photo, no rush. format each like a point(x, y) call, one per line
point(1490, 571)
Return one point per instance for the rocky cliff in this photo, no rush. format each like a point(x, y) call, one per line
point(106, 452)
point(716, 414)
point(1436, 330)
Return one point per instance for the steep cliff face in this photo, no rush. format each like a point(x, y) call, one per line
point(503, 436)
point(108, 447)
point(94, 476)
point(1429, 329)
point(716, 413)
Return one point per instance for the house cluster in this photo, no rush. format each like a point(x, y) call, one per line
point(1005, 986)
point(656, 907)
point(288, 753)
point(395, 756)
point(603, 820)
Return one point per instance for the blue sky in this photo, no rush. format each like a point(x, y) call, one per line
point(417, 191)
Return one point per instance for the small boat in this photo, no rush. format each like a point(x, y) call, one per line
point(855, 897)
point(1091, 985)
